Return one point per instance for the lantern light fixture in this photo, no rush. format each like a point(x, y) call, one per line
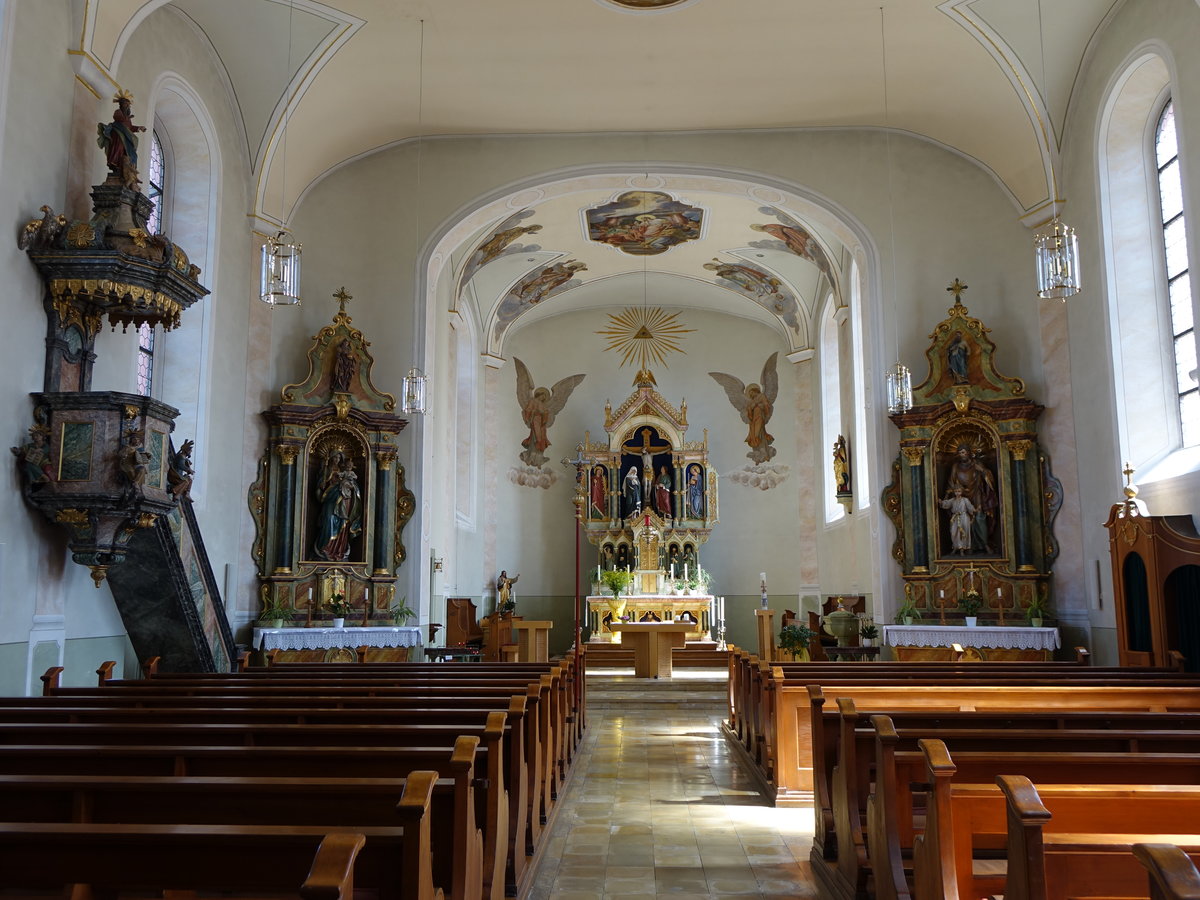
point(414, 385)
point(279, 279)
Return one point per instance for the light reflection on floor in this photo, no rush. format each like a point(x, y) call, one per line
point(658, 804)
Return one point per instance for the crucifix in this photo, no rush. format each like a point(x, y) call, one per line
point(647, 451)
point(342, 298)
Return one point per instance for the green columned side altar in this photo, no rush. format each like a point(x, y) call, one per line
point(972, 497)
point(330, 500)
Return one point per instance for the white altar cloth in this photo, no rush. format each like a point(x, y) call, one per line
point(329, 638)
point(988, 636)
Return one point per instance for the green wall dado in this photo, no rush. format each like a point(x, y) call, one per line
point(81, 658)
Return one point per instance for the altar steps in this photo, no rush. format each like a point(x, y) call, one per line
point(693, 689)
point(696, 655)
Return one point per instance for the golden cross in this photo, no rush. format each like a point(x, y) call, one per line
point(342, 298)
point(1128, 473)
point(956, 289)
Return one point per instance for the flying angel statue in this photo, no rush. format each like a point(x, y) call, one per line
point(539, 406)
point(756, 403)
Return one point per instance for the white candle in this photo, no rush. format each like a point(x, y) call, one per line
point(597, 571)
point(366, 595)
point(672, 570)
point(310, 595)
point(685, 565)
point(626, 567)
point(941, 595)
point(997, 593)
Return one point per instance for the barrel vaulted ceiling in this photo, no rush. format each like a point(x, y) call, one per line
point(968, 74)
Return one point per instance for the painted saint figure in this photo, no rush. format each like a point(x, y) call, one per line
point(956, 358)
point(340, 504)
point(599, 492)
point(961, 514)
point(979, 487)
point(662, 493)
point(632, 489)
point(695, 492)
point(34, 457)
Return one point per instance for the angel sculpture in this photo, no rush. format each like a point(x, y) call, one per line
point(755, 403)
point(539, 406)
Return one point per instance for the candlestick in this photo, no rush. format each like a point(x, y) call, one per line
point(597, 572)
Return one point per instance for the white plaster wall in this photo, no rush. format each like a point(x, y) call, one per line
point(1172, 27)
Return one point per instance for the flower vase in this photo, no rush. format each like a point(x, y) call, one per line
point(970, 621)
point(1036, 623)
point(339, 621)
point(868, 642)
point(908, 620)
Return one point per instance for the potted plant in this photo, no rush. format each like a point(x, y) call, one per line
point(794, 639)
point(970, 603)
point(339, 607)
point(275, 613)
point(908, 612)
point(1036, 611)
point(868, 633)
point(616, 580)
point(401, 612)
point(703, 580)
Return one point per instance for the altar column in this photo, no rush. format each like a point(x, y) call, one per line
point(287, 504)
point(1020, 450)
point(384, 460)
point(677, 495)
point(920, 547)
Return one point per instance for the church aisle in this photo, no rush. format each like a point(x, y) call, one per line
point(659, 805)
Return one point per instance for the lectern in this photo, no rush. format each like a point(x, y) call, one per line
point(652, 643)
point(533, 639)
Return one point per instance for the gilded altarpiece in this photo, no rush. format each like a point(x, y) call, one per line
point(330, 501)
point(651, 505)
point(972, 497)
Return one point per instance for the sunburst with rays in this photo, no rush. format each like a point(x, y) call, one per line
point(644, 335)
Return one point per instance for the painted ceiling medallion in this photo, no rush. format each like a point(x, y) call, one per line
point(646, 4)
point(644, 335)
point(644, 223)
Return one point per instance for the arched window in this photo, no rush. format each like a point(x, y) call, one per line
point(831, 401)
point(1179, 289)
point(156, 179)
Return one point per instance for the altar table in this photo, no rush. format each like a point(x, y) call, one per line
point(533, 639)
point(652, 644)
point(667, 607)
point(337, 644)
point(981, 642)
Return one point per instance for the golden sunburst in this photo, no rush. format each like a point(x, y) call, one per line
point(644, 335)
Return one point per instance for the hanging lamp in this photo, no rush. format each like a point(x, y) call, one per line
point(1055, 246)
point(279, 280)
point(413, 387)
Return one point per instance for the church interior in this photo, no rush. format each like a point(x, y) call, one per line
point(537, 241)
point(376, 315)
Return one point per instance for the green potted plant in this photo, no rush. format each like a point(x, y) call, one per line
point(868, 633)
point(339, 607)
point(401, 612)
point(970, 603)
point(1036, 611)
point(616, 580)
point(908, 612)
point(703, 580)
point(795, 639)
point(275, 613)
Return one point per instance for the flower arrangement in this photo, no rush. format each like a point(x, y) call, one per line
point(275, 611)
point(970, 603)
point(868, 631)
point(1036, 610)
point(339, 607)
point(616, 580)
point(506, 606)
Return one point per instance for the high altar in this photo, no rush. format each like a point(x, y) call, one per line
point(651, 504)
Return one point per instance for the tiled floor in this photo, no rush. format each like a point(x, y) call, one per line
point(659, 805)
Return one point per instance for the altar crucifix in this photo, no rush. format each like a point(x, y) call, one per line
point(656, 487)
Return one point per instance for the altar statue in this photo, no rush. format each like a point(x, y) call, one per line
point(662, 493)
point(632, 490)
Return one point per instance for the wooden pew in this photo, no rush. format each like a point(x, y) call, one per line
point(394, 862)
point(471, 818)
point(873, 832)
point(457, 858)
point(792, 732)
point(1173, 875)
point(974, 731)
point(965, 786)
point(1079, 842)
point(544, 712)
